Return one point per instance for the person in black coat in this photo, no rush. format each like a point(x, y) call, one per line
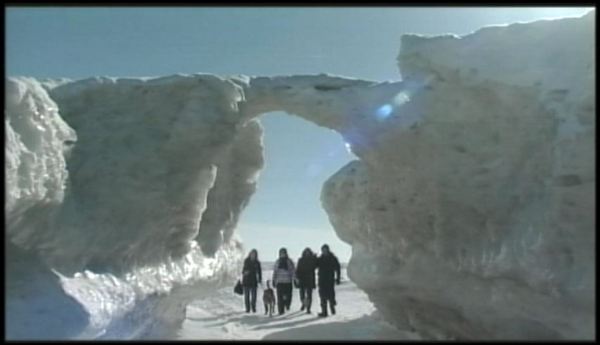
point(329, 273)
point(305, 273)
point(251, 277)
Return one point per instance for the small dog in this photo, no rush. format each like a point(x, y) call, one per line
point(269, 300)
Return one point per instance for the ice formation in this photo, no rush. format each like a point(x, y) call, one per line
point(37, 140)
point(469, 211)
point(478, 222)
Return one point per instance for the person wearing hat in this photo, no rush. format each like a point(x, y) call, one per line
point(329, 273)
point(283, 276)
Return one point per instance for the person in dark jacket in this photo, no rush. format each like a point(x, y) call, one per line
point(283, 276)
point(305, 274)
point(329, 273)
point(251, 277)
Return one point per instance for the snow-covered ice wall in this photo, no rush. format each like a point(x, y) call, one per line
point(470, 211)
point(157, 166)
point(478, 223)
point(123, 198)
point(149, 152)
point(161, 162)
point(37, 140)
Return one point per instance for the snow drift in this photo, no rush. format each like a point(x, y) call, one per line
point(469, 211)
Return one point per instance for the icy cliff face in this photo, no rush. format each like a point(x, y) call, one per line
point(478, 222)
point(37, 140)
point(237, 175)
point(148, 155)
point(119, 211)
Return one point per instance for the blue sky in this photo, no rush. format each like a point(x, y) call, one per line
point(357, 42)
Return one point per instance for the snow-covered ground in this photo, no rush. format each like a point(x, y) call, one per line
point(223, 316)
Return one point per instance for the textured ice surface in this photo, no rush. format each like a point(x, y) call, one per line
point(37, 140)
point(478, 223)
point(161, 164)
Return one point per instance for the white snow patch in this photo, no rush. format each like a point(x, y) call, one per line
point(222, 317)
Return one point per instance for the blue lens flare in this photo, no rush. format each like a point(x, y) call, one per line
point(384, 111)
point(397, 101)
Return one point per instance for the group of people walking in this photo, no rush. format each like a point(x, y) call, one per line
point(286, 276)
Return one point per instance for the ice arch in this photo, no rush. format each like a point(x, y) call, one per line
point(182, 151)
point(139, 168)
